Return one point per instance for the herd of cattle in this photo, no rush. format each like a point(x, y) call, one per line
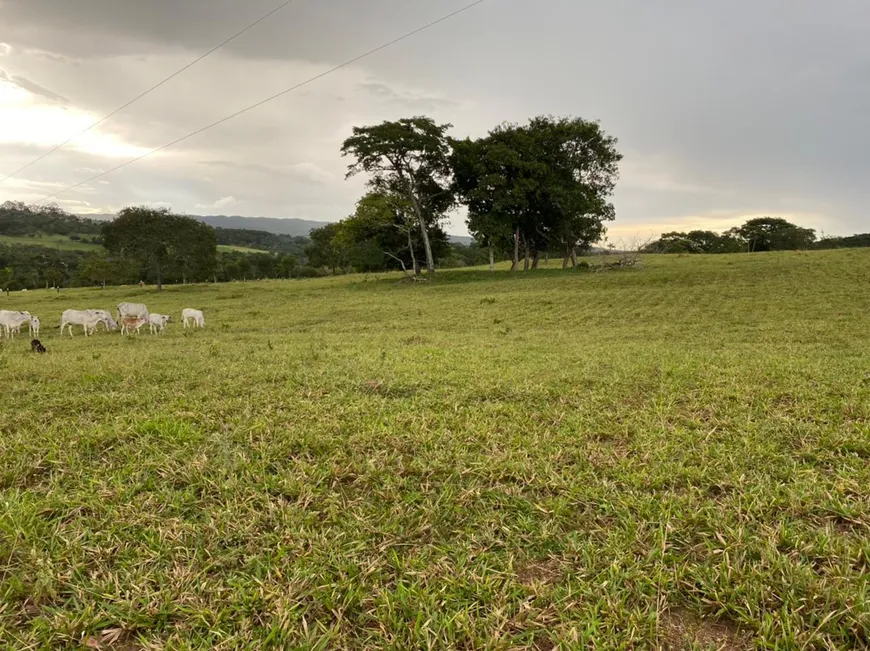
point(131, 317)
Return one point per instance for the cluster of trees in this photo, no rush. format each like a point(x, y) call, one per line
point(760, 234)
point(36, 266)
point(850, 241)
point(528, 189)
point(540, 187)
point(162, 242)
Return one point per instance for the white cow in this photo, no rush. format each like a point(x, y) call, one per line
point(193, 316)
point(34, 327)
point(88, 319)
point(157, 322)
point(11, 321)
point(132, 309)
point(129, 323)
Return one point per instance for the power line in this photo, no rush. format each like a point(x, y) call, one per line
point(143, 94)
point(268, 99)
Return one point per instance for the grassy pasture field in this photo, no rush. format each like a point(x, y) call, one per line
point(51, 241)
point(63, 242)
point(673, 457)
point(238, 249)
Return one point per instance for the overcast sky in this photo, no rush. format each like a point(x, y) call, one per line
point(723, 110)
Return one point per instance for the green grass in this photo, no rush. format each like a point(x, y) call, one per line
point(51, 241)
point(671, 457)
point(238, 249)
point(63, 242)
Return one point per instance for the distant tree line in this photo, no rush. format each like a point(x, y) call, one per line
point(756, 235)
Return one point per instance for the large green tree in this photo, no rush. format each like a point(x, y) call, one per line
point(541, 185)
point(697, 241)
point(411, 158)
point(161, 240)
point(773, 234)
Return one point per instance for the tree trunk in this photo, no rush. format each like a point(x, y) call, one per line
point(491, 259)
point(516, 261)
point(413, 257)
point(566, 258)
point(573, 256)
point(535, 259)
point(525, 254)
point(424, 232)
point(159, 278)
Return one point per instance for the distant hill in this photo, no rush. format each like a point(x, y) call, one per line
point(289, 226)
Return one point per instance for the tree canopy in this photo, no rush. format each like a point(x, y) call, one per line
point(161, 240)
point(542, 185)
point(759, 234)
point(774, 234)
point(409, 158)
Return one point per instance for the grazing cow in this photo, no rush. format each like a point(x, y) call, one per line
point(105, 318)
point(37, 347)
point(132, 309)
point(129, 323)
point(12, 321)
point(193, 316)
point(88, 319)
point(157, 322)
point(34, 327)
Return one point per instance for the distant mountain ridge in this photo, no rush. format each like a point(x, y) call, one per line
point(289, 226)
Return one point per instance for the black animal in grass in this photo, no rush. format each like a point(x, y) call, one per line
point(37, 347)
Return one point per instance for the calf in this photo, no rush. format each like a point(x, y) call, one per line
point(34, 327)
point(195, 317)
point(157, 322)
point(129, 323)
